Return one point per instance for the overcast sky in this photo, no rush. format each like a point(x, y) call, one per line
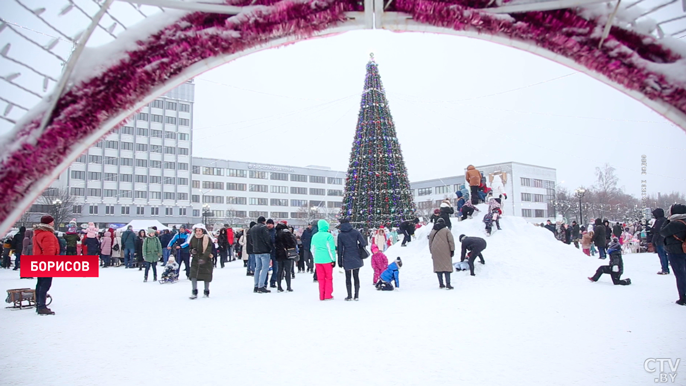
point(454, 101)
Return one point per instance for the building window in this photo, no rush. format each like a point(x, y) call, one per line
point(256, 214)
point(140, 178)
point(156, 133)
point(78, 191)
point(92, 209)
point(184, 137)
point(334, 181)
point(549, 184)
point(171, 120)
point(279, 215)
point(195, 198)
point(169, 180)
point(76, 209)
point(126, 161)
point(196, 184)
point(142, 116)
point(298, 203)
point(125, 210)
point(112, 144)
point(95, 159)
point(169, 150)
point(334, 204)
point(279, 176)
point(258, 201)
point(170, 165)
point(319, 204)
point(182, 181)
point(526, 212)
point(94, 176)
point(155, 195)
point(140, 210)
point(184, 122)
point(156, 164)
point(81, 159)
point(126, 177)
point(317, 192)
point(236, 173)
point(182, 211)
point(169, 135)
point(299, 214)
point(109, 209)
point(78, 175)
point(258, 174)
point(212, 185)
point(298, 177)
point(142, 163)
point(111, 160)
point(334, 192)
point(155, 179)
point(259, 188)
point(538, 183)
point(423, 191)
point(169, 196)
point(196, 213)
point(183, 166)
point(278, 202)
point(155, 149)
point(235, 186)
point(141, 131)
point(196, 170)
point(126, 145)
point(155, 211)
point(540, 213)
point(236, 200)
point(141, 147)
point(526, 196)
point(184, 107)
point(182, 196)
point(443, 189)
point(157, 103)
point(212, 199)
point(526, 181)
point(94, 192)
point(125, 193)
point(318, 179)
point(111, 176)
point(279, 189)
point(126, 130)
point(538, 198)
point(141, 194)
point(297, 190)
point(171, 105)
point(183, 151)
point(110, 193)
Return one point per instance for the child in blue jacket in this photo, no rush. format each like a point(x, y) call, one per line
point(392, 273)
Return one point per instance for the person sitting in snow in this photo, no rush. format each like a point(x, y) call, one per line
point(170, 269)
point(475, 245)
point(468, 209)
point(379, 262)
point(392, 273)
point(616, 267)
point(460, 202)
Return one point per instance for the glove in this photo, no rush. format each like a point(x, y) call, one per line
point(333, 264)
point(452, 253)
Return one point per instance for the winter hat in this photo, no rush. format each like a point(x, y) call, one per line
point(171, 259)
point(284, 222)
point(150, 232)
point(437, 211)
point(270, 221)
point(47, 219)
point(261, 219)
point(252, 224)
point(375, 248)
point(462, 236)
point(677, 209)
point(399, 261)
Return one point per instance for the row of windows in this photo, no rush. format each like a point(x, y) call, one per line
point(253, 214)
point(140, 210)
point(536, 197)
point(212, 171)
point(443, 189)
point(97, 192)
point(97, 176)
point(140, 131)
point(96, 159)
point(537, 183)
point(158, 103)
point(231, 200)
point(216, 185)
point(538, 213)
point(163, 119)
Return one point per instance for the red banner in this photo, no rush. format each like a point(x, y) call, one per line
point(59, 266)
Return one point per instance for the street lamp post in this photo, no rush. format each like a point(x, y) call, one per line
point(580, 193)
point(57, 203)
point(206, 213)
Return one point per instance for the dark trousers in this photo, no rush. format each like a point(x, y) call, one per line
point(440, 278)
point(307, 254)
point(601, 253)
point(616, 276)
point(352, 274)
point(678, 261)
point(42, 286)
point(185, 258)
point(384, 286)
point(17, 259)
point(105, 260)
point(407, 237)
point(474, 194)
point(154, 269)
point(224, 254)
point(301, 261)
point(473, 254)
point(285, 267)
point(71, 251)
point(466, 211)
point(664, 260)
point(275, 272)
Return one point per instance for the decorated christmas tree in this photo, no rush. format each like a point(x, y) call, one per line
point(377, 190)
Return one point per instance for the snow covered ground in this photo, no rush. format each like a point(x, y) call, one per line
point(528, 317)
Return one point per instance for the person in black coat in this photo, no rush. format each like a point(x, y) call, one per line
point(223, 243)
point(599, 238)
point(616, 267)
point(283, 241)
point(576, 235)
point(139, 248)
point(659, 241)
point(608, 232)
point(407, 228)
point(434, 217)
point(349, 243)
point(18, 245)
point(306, 239)
point(617, 230)
point(475, 245)
point(674, 232)
point(446, 210)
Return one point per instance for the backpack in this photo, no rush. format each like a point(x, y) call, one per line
point(683, 242)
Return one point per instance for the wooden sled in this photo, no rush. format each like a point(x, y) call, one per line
point(18, 297)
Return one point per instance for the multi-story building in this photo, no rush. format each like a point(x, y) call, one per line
point(143, 169)
point(530, 189)
point(235, 192)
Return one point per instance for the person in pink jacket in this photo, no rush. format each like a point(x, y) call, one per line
point(379, 262)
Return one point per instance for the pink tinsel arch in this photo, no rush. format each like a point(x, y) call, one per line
point(163, 56)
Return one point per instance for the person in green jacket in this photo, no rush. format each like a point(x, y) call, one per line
point(323, 250)
point(201, 247)
point(152, 251)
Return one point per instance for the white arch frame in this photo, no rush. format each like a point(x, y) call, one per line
point(396, 22)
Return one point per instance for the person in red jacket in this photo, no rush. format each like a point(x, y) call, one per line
point(44, 243)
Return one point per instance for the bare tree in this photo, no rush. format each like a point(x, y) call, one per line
point(59, 204)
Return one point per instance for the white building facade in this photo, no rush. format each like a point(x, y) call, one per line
point(235, 192)
point(530, 189)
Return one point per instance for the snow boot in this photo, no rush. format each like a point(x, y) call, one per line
point(194, 295)
point(348, 299)
point(449, 287)
point(279, 290)
point(254, 290)
point(591, 279)
point(206, 293)
point(45, 311)
point(682, 301)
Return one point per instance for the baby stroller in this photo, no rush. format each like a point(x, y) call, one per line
point(169, 276)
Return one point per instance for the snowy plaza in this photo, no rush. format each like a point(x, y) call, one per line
point(528, 317)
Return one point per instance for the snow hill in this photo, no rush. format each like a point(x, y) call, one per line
point(528, 317)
